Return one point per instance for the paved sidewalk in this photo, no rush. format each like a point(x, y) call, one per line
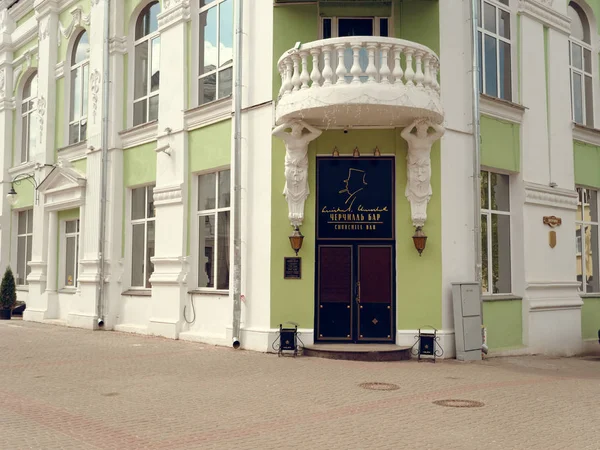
point(66, 388)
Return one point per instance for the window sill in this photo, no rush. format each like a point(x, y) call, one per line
point(22, 288)
point(587, 135)
point(209, 292)
point(208, 113)
point(138, 293)
point(500, 297)
point(140, 134)
point(70, 291)
point(589, 295)
point(73, 152)
point(23, 167)
point(501, 109)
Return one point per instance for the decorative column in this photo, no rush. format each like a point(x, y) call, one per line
point(90, 273)
point(46, 13)
point(7, 106)
point(169, 286)
point(51, 285)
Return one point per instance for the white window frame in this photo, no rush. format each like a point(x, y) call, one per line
point(150, 38)
point(488, 212)
point(63, 253)
point(375, 19)
point(210, 212)
point(582, 72)
point(481, 29)
point(30, 114)
point(145, 220)
point(28, 238)
point(196, 44)
point(581, 223)
point(84, 86)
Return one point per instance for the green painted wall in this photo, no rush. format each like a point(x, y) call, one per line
point(418, 279)
point(590, 318)
point(504, 324)
point(139, 165)
point(419, 22)
point(210, 146)
point(80, 166)
point(25, 18)
point(60, 124)
point(23, 48)
point(374, 10)
point(500, 144)
point(587, 164)
point(25, 195)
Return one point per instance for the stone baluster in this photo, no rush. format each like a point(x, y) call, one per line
point(315, 75)
point(371, 68)
point(384, 71)
point(296, 77)
point(327, 70)
point(419, 76)
point(427, 80)
point(409, 73)
point(341, 70)
point(398, 72)
point(282, 75)
point(288, 85)
point(434, 72)
point(304, 76)
point(356, 69)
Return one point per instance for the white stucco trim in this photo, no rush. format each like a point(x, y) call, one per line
point(26, 32)
point(586, 135)
point(545, 14)
point(25, 167)
point(539, 194)
point(73, 152)
point(208, 114)
point(501, 109)
point(19, 10)
point(142, 134)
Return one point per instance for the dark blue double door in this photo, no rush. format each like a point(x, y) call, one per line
point(355, 292)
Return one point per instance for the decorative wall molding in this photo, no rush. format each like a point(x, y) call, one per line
point(586, 135)
point(73, 152)
point(543, 12)
point(59, 70)
point(169, 270)
point(41, 109)
point(95, 79)
point(501, 109)
point(166, 195)
point(539, 194)
point(78, 18)
point(142, 134)
point(208, 114)
point(94, 2)
point(20, 9)
point(2, 82)
point(7, 104)
point(118, 45)
point(174, 12)
point(22, 63)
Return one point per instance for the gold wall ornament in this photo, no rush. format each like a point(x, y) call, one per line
point(552, 239)
point(552, 221)
point(335, 152)
point(356, 153)
point(377, 152)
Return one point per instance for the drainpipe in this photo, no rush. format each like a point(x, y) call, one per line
point(104, 168)
point(476, 148)
point(237, 181)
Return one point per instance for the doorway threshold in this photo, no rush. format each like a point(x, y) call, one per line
point(358, 352)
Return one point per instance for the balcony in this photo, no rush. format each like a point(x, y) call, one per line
point(359, 81)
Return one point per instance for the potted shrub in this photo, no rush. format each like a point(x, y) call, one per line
point(8, 295)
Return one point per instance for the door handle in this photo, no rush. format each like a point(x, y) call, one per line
point(358, 292)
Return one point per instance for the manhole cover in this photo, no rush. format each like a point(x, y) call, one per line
point(452, 403)
point(379, 386)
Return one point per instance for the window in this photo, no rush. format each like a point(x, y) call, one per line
point(71, 253)
point(142, 236)
point(580, 63)
point(495, 48)
point(80, 68)
point(495, 233)
point(28, 119)
point(214, 206)
point(216, 50)
point(586, 230)
point(24, 239)
point(147, 65)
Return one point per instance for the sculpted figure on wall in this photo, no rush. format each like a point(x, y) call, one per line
point(296, 165)
point(418, 186)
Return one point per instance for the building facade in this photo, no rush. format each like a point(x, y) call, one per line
point(354, 125)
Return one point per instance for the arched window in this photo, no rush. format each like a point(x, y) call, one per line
point(147, 65)
point(80, 68)
point(580, 62)
point(29, 127)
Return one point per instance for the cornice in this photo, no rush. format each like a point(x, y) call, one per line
point(167, 195)
point(501, 109)
point(19, 10)
point(539, 194)
point(45, 7)
point(174, 12)
point(142, 134)
point(586, 135)
point(208, 114)
point(541, 11)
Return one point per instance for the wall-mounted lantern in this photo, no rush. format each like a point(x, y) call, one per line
point(420, 240)
point(296, 240)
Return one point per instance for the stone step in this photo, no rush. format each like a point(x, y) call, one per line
point(358, 352)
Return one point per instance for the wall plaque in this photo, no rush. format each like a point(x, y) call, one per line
point(292, 268)
point(355, 198)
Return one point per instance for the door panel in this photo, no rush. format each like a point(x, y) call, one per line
point(334, 293)
point(375, 286)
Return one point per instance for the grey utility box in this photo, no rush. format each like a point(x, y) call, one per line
point(467, 321)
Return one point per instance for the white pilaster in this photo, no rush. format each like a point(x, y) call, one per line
point(51, 285)
point(169, 286)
